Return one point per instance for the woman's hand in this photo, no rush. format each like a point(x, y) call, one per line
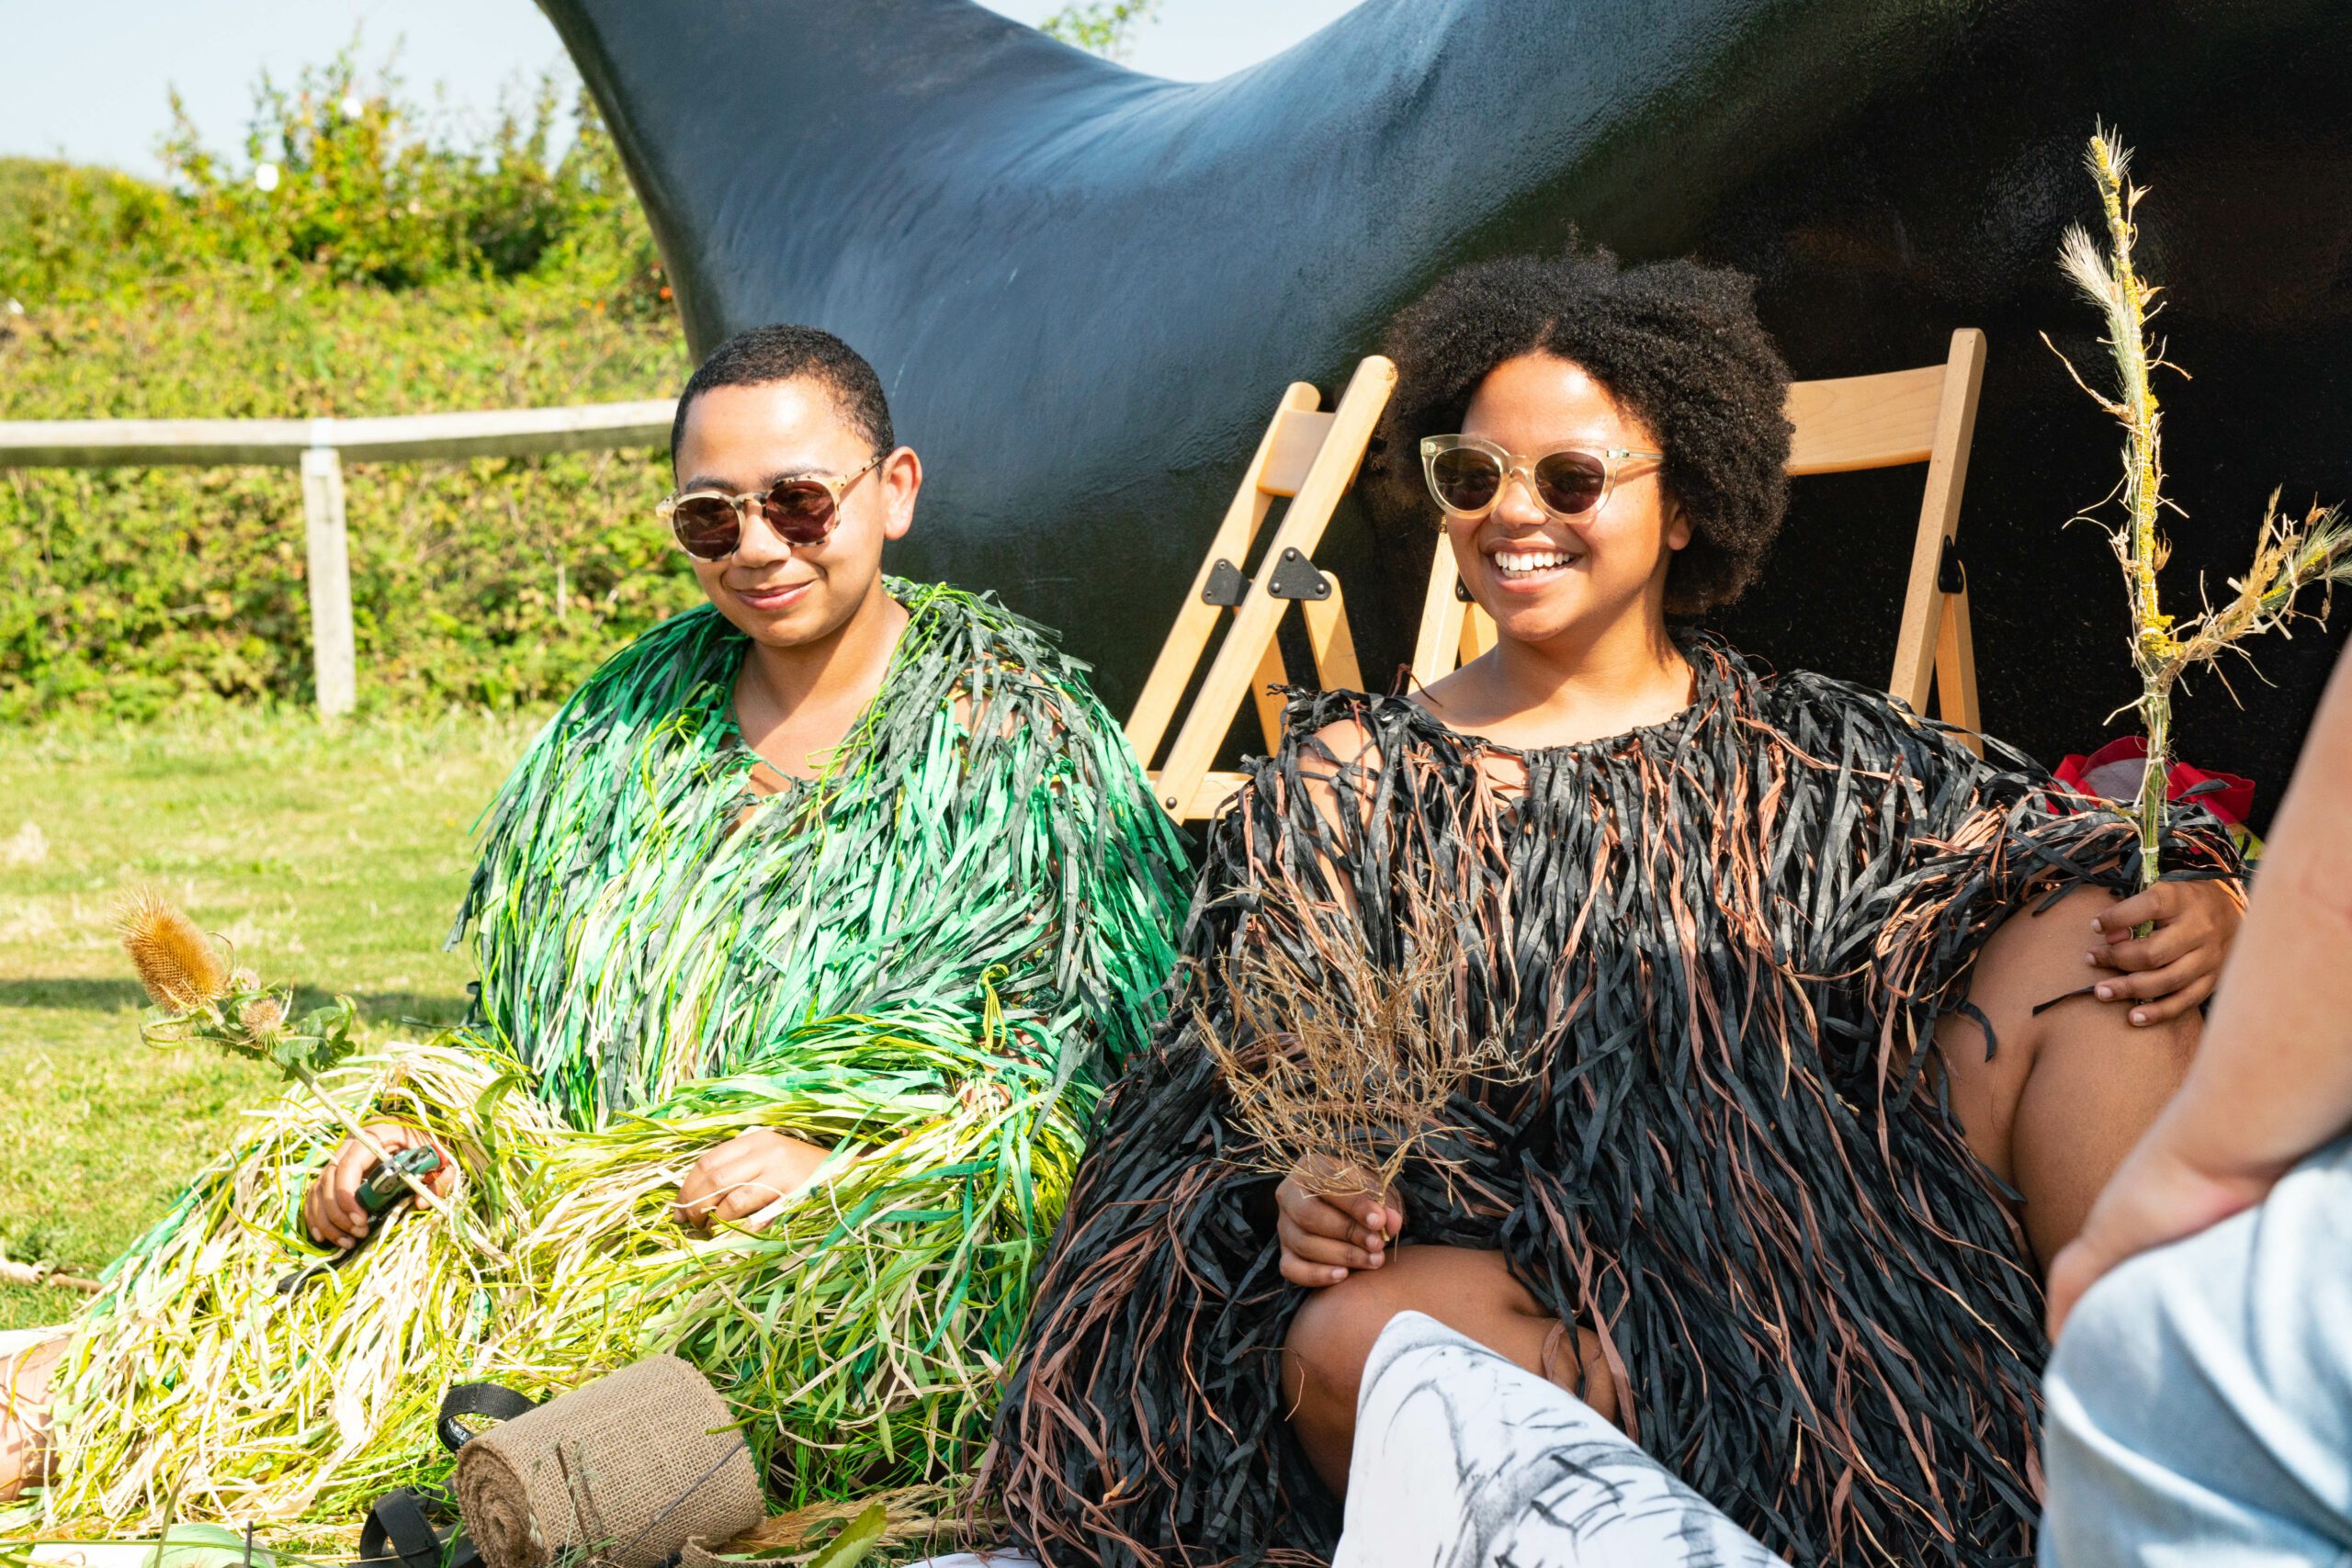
point(2158, 1196)
point(2175, 967)
point(744, 1175)
point(331, 1209)
point(1325, 1240)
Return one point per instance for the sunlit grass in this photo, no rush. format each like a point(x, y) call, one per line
point(332, 858)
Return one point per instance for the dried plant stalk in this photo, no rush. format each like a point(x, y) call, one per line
point(2288, 557)
point(1342, 1075)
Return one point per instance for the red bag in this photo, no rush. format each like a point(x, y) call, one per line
point(2114, 772)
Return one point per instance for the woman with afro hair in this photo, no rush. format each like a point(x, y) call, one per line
point(1821, 1030)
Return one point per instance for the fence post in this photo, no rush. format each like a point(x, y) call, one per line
point(334, 651)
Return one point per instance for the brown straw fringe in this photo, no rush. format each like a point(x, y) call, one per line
point(1719, 945)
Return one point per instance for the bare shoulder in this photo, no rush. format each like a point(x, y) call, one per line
point(1454, 689)
point(1342, 743)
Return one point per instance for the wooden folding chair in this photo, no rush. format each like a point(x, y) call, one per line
point(1928, 415)
point(1310, 457)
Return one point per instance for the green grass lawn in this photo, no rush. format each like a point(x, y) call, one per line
point(332, 859)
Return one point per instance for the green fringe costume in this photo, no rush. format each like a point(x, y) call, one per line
point(1718, 945)
point(931, 958)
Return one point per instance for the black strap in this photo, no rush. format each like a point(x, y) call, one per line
point(399, 1530)
point(494, 1400)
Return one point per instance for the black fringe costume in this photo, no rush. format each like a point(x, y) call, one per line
point(1721, 943)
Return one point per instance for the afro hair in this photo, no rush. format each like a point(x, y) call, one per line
point(1676, 343)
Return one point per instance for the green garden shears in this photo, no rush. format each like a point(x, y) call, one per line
point(384, 1185)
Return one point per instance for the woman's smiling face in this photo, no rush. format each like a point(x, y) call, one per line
point(1541, 576)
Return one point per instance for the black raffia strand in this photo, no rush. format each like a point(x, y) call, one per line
point(1719, 942)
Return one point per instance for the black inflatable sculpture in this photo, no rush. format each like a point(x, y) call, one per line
point(1085, 287)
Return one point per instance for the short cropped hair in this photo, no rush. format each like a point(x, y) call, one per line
point(1676, 343)
point(784, 353)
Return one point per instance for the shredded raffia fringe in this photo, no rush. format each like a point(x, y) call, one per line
point(195, 1373)
point(931, 958)
point(1717, 946)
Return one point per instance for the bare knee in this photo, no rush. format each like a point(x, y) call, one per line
point(2038, 955)
point(26, 1452)
point(2070, 1086)
point(1331, 1337)
point(2029, 987)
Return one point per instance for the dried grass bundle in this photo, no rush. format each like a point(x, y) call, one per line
point(1342, 1073)
point(928, 1518)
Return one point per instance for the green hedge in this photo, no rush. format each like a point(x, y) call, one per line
point(384, 273)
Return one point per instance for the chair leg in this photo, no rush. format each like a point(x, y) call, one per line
point(1439, 646)
point(1335, 644)
point(1272, 672)
point(1956, 672)
point(1478, 633)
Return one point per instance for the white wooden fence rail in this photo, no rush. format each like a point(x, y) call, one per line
point(320, 447)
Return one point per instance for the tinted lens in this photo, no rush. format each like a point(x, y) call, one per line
point(706, 526)
point(1570, 482)
point(1465, 479)
point(800, 511)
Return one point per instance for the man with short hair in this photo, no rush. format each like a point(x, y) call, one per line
point(809, 930)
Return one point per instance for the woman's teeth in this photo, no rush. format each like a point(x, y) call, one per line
point(1521, 563)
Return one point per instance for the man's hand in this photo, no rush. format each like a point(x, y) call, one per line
point(331, 1209)
point(2156, 1196)
point(744, 1175)
point(2175, 967)
point(1325, 1240)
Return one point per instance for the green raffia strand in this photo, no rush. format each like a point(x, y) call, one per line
point(932, 958)
point(855, 1543)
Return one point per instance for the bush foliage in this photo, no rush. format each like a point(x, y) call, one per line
point(352, 260)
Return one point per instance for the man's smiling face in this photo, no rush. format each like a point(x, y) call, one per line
point(740, 439)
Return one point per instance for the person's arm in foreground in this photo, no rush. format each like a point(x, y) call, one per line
point(2273, 1079)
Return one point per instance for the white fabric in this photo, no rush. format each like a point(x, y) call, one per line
point(1463, 1459)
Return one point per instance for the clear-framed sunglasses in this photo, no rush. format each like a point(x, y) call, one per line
point(802, 509)
point(1466, 475)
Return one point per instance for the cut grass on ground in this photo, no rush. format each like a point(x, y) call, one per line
point(333, 857)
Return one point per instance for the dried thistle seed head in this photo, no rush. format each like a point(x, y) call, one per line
point(175, 962)
point(264, 1018)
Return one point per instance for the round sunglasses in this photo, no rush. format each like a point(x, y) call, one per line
point(1466, 475)
point(709, 524)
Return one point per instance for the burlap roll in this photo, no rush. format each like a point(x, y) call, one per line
point(625, 1471)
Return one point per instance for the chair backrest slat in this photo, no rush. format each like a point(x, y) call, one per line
point(1310, 455)
point(1298, 436)
point(1864, 422)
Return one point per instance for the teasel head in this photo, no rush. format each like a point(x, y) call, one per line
point(175, 962)
point(263, 1019)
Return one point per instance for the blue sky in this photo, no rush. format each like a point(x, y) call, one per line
point(87, 79)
